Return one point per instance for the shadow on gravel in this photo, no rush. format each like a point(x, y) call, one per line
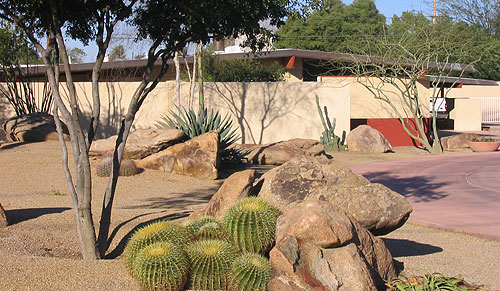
point(123, 242)
point(420, 189)
point(19, 215)
point(408, 248)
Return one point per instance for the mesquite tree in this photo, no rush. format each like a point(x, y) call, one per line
point(169, 24)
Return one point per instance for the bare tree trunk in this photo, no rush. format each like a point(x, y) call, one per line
point(177, 79)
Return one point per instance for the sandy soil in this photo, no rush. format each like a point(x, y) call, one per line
point(40, 250)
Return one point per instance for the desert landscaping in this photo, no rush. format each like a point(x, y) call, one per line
point(39, 249)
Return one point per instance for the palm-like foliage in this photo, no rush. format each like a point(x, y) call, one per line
point(194, 124)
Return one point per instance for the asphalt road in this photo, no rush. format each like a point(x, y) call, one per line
point(459, 192)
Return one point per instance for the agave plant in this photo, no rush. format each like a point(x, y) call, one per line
point(194, 124)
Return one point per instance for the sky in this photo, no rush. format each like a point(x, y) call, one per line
point(386, 7)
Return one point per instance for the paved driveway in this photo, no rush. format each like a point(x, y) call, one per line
point(459, 192)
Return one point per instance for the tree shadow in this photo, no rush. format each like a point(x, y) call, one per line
point(118, 250)
point(408, 248)
point(420, 189)
point(12, 145)
point(19, 215)
point(181, 201)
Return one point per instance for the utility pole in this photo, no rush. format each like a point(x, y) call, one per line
point(434, 19)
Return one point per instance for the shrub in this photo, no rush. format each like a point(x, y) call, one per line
point(195, 124)
point(251, 225)
point(434, 282)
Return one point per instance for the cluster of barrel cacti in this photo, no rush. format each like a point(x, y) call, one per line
point(206, 254)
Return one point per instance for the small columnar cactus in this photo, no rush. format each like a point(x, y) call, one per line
point(155, 232)
point(249, 272)
point(161, 266)
point(205, 227)
point(251, 225)
point(210, 264)
point(127, 167)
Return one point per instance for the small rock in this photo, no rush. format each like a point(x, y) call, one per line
point(140, 143)
point(457, 142)
point(3, 217)
point(281, 152)
point(198, 157)
point(367, 139)
point(236, 187)
point(33, 127)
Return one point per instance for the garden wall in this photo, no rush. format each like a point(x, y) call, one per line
point(266, 111)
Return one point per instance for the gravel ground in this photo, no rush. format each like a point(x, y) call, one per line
point(40, 250)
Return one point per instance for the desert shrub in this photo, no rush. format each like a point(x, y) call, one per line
point(197, 123)
point(430, 282)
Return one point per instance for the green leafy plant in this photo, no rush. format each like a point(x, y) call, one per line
point(210, 263)
point(328, 138)
point(194, 124)
point(161, 266)
point(484, 139)
point(251, 225)
point(155, 232)
point(430, 282)
point(127, 167)
point(205, 227)
point(249, 272)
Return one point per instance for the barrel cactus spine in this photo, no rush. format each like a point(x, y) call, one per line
point(251, 225)
point(161, 266)
point(210, 264)
point(127, 167)
point(155, 232)
point(249, 272)
point(206, 227)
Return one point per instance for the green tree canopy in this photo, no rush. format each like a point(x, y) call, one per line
point(76, 55)
point(330, 25)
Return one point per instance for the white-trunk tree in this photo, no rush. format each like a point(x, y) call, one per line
point(396, 71)
point(170, 25)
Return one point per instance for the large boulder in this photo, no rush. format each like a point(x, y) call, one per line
point(32, 127)
point(198, 157)
point(280, 152)
point(457, 142)
point(237, 186)
point(320, 247)
point(374, 206)
point(3, 217)
point(367, 139)
point(140, 143)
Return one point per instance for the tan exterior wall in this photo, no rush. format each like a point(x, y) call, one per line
point(466, 115)
point(470, 91)
point(364, 105)
point(271, 112)
point(268, 112)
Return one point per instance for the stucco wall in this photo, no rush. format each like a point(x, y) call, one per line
point(364, 105)
point(268, 112)
point(470, 91)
